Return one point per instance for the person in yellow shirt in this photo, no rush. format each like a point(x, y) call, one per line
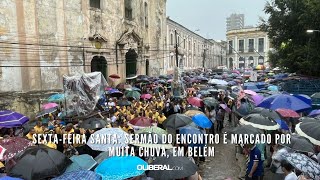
point(161, 118)
point(30, 134)
point(132, 114)
point(124, 126)
point(155, 114)
point(159, 104)
point(69, 129)
point(38, 129)
point(147, 112)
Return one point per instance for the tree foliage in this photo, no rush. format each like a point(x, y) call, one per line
point(294, 48)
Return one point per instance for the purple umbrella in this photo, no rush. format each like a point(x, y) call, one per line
point(10, 119)
point(225, 107)
point(314, 113)
point(257, 99)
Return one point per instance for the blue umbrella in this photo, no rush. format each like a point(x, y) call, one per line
point(251, 86)
point(284, 101)
point(314, 113)
point(304, 98)
point(273, 88)
point(56, 98)
point(85, 161)
point(79, 175)
point(202, 121)
point(10, 119)
point(118, 168)
point(9, 178)
point(192, 130)
point(283, 124)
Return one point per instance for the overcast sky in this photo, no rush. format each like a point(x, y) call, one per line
point(210, 15)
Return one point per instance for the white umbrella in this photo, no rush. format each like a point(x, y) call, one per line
point(218, 82)
point(107, 138)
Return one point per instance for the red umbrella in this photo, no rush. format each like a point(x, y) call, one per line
point(12, 146)
point(195, 101)
point(141, 121)
point(287, 113)
point(114, 76)
point(146, 96)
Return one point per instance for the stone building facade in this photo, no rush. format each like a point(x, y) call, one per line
point(194, 51)
point(247, 47)
point(42, 40)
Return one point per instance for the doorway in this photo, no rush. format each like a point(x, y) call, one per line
point(131, 62)
point(99, 64)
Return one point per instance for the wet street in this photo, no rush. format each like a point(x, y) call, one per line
point(223, 164)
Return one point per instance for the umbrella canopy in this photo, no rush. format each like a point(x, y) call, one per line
point(283, 125)
point(299, 143)
point(217, 82)
point(315, 95)
point(114, 76)
point(193, 131)
point(287, 113)
point(314, 113)
point(118, 133)
point(146, 96)
point(202, 121)
point(304, 98)
point(93, 123)
point(257, 99)
point(85, 161)
point(191, 113)
point(37, 162)
point(250, 92)
point(50, 105)
point(284, 101)
point(13, 146)
point(175, 121)
point(10, 119)
point(102, 156)
point(210, 102)
point(133, 94)
point(303, 163)
point(118, 168)
point(260, 122)
point(204, 92)
point(273, 88)
point(309, 130)
point(124, 103)
point(155, 130)
point(56, 98)
point(133, 89)
point(242, 130)
point(141, 121)
point(195, 101)
point(266, 112)
point(225, 107)
point(189, 168)
point(46, 111)
point(9, 178)
point(80, 174)
point(244, 109)
point(115, 93)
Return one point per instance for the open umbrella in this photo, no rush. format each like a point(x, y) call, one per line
point(46, 111)
point(141, 121)
point(283, 125)
point(189, 168)
point(242, 130)
point(123, 86)
point(95, 142)
point(303, 163)
point(287, 113)
point(186, 130)
point(244, 109)
point(133, 94)
point(266, 112)
point(315, 95)
point(191, 113)
point(50, 105)
point(79, 174)
point(202, 121)
point(175, 121)
point(146, 96)
point(257, 99)
point(115, 93)
point(120, 167)
point(299, 143)
point(93, 123)
point(260, 122)
point(102, 156)
point(195, 101)
point(210, 102)
point(9, 178)
point(314, 113)
point(56, 98)
point(309, 130)
point(37, 162)
point(10, 119)
point(13, 146)
point(155, 130)
point(225, 107)
point(85, 161)
point(284, 101)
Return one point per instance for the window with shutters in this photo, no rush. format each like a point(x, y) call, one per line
point(128, 9)
point(95, 4)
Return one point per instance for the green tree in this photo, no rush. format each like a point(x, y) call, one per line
point(294, 48)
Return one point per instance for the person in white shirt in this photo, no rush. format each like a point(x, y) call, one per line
point(287, 168)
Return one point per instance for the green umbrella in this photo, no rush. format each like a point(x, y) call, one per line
point(211, 102)
point(155, 130)
point(133, 94)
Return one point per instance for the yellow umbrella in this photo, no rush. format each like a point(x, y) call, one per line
point(260, 67)
point(191, 113)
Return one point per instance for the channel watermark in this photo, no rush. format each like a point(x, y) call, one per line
point(159, 167)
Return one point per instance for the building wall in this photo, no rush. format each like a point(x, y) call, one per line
point(233, 58)
point(41, 40)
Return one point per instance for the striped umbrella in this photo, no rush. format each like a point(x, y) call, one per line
point(10, 119)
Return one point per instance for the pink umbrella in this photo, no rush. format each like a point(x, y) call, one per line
point(170, 80)
point(235, 71)
point(287, 113)
point(108, 88)
point(225, 107)
point(49, 106)
point(146, 96)
point(250, 92)
point(195, 101)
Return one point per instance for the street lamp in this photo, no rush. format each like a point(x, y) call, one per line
point(312, 30)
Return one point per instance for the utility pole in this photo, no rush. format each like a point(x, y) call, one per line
point(204, 57)
point(176, 84)
point(177, 58)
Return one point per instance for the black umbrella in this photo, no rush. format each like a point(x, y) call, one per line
point(124, 103)
point(310, 130)
point(46, 111)
point(300, 143)
point(177, 120)
point(259, 121)
point(184, 167)
point(38, 162)
point(210, 102)
point(244, 129)
point(93, 123)
point(116, 93)
point(266, 112)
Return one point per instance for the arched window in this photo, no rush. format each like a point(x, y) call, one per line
point(128, 9)
point(261, 60)
point(171, 39)
point(146, 14)
point(251, 61)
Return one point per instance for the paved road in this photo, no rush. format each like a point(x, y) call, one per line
point(223, 164)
